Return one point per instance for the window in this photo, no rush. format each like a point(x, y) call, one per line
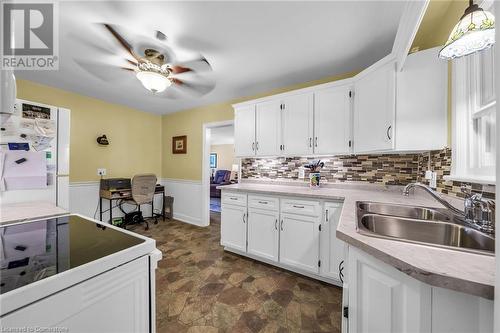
point(474, 118)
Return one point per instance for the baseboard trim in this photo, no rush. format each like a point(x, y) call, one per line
point(286, 267)
point(188, 219)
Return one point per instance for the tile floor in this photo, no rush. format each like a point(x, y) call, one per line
point(201, 288)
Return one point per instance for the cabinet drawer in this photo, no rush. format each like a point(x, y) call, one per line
point(301, 207)
point(263, 202)
point(232, 198)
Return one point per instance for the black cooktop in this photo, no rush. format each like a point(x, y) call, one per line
point(35, 250)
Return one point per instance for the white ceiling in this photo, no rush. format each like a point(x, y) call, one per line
point(222, 135)
point(253, 46)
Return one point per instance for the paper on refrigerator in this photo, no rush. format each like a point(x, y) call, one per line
point(31, 174)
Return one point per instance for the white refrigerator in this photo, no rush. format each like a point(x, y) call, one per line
point(45, 129)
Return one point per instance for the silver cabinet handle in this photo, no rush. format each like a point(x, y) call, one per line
point(316, 142)
point(233, 198)
point(276, 224)
point(389, 132)
point(257, 145)
point(263, 202)
point(295, 206)
point(310, 142)
point(326, 217)
point(253, 145)
point(244, 217)
point(281, 225)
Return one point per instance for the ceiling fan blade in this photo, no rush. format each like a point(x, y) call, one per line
point(198, 65)
point(121, 40)
point(105, 72)
point(191, 88)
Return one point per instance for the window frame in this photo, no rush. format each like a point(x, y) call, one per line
point(472, 81)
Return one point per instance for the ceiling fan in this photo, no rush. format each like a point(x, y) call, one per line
point(154, 63)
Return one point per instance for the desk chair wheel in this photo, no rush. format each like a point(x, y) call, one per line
point(147, 225)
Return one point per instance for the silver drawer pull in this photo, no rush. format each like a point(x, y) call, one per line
point(263, 202)
point(233, 198)
point(295, 206)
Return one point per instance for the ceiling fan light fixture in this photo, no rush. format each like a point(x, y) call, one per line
point(474, 32)
point(154, 82)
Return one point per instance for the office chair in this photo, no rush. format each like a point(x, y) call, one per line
point(143, 189)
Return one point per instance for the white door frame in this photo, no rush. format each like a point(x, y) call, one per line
point(205, 177)
point(497, 213)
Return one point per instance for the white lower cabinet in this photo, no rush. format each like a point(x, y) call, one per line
point(115, 301)
point(299, 242)
point(290, 233)
point(381, 299)
point(233, 222)
point(263, 234)
point(332, 249)
point(384, 300)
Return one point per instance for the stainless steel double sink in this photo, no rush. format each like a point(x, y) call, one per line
point(423, 225)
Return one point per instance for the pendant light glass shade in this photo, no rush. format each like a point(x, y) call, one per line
point(153, 81)
point(474, 32)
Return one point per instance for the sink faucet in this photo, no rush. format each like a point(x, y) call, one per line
point(478, 211)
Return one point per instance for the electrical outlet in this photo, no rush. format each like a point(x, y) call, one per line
point(101, 172)
point(428, 174)
point(433, 180)
point(302, 173)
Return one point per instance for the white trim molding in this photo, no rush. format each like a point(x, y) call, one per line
point(205, 176)
point(187, 199)
point(408, 26)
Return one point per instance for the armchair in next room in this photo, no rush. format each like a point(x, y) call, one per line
point(221, 177)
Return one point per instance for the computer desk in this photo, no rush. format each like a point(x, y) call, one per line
point(126, 194)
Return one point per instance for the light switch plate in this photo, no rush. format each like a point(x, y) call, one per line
point(101, 172)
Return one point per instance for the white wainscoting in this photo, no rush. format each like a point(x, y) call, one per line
point(84, 199)
point(187, 199)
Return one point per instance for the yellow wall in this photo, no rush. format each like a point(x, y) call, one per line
point(190, 122)
point(439, 19)
point(135, 136)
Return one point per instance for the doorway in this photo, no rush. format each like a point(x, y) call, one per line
point(220, 167)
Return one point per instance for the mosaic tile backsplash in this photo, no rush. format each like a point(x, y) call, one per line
point(387, 169)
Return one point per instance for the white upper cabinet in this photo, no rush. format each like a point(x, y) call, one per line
point(297, 124)
point(422, 96)
point(332, 122)
point(244, 130)
point(268, 128)
point(374, 107)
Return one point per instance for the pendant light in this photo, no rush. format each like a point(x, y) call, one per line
point(474, 32)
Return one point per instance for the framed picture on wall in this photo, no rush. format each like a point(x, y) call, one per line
point(179, 144)
point(213, 160)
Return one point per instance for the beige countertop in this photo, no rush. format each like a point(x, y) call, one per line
point(21, 211)
point(461, 271)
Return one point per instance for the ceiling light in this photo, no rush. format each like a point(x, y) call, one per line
point(153, 81)
point(474, 32)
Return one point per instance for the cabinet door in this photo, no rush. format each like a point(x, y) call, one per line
point(332, 248)
point(244, 130)
point(422, 96)
point(115, 301)
point(332, 127)
point(263, 233)
point(234, 227)
point(382, 299)
point(374, 108)
point(268, 128)
point(299, 242)
point(297, 124)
